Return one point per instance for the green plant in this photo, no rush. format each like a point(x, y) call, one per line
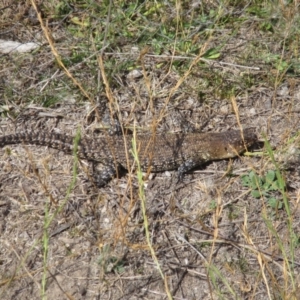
point(108, 262)
point(213, 204)
point(263, 186)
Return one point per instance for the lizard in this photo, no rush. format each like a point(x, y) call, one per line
point(157, 152)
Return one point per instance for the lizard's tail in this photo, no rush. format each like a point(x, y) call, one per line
point(53, 140)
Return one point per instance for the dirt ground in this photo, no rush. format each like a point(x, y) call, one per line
point(61, 237)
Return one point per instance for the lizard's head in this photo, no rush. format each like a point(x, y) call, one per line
point(236, 142)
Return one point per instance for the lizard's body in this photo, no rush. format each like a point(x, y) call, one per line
point(160, 152)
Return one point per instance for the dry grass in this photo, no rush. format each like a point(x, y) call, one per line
point(230, 230)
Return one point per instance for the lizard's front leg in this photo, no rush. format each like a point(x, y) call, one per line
point(185, 167)
point(106, 173)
